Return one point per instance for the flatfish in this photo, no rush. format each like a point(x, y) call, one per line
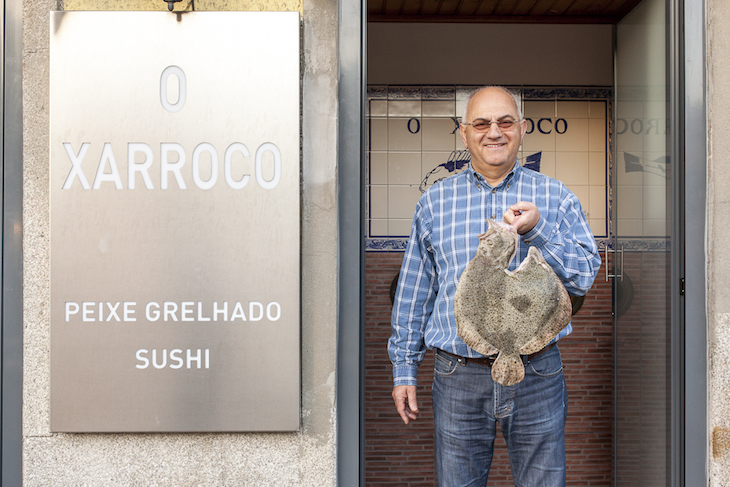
point(508, 312)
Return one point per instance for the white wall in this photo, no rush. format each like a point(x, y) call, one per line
point(506, 54)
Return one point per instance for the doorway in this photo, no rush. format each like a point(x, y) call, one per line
point(620, 380)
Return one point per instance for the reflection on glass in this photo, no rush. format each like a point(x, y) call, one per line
point(641, 182)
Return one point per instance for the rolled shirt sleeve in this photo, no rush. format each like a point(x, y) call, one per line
point(567, 245)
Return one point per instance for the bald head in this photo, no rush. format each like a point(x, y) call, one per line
point(465, 114)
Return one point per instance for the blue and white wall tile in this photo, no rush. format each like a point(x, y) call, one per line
point(413, 141)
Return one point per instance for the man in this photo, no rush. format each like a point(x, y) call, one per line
point(444, 238)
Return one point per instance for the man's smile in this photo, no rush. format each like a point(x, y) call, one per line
point(493, 148)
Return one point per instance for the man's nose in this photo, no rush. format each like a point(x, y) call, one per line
point(494, 132)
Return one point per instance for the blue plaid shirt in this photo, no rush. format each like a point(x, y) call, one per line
point(445, 235)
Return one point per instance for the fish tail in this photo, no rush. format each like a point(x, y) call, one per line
point(508, 369)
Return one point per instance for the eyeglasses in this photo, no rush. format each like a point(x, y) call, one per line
point(484, 125)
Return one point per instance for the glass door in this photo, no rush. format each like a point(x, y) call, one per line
point(643, 247)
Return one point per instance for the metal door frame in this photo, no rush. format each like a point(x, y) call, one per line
point(689, 352)
point(689, 364)
point(351, 244)
point(690, 429)
point(11, 302)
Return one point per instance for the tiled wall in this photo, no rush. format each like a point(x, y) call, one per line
point(578, 156)
point(414, 141)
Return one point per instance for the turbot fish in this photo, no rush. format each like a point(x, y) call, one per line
point(509, 313)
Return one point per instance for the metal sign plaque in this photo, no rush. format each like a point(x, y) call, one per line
point(174, 181)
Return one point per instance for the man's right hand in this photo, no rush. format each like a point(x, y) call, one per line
point(405, 402)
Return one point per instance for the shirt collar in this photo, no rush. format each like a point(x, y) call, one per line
point(479, 180)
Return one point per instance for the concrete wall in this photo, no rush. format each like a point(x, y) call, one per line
point(306, 458)
point(718, 234)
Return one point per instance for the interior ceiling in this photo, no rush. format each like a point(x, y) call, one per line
point(511, 11)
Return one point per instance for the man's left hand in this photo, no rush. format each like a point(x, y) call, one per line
point(522, 216)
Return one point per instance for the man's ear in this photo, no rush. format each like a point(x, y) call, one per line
point(462, 131)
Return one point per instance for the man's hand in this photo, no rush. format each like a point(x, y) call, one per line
point(522, 216)
point(405, 402)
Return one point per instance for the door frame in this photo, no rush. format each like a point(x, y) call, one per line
point(689, 343)
point(351, 244)
point(690, 427)
point(11, 301)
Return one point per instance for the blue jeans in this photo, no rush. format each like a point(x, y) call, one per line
point(467, 403)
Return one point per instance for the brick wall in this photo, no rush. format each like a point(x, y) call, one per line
point(396, 454)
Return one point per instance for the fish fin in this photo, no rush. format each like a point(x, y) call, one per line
point(536, 344)
point(475, 340)
point(494, 224)
point(553, 324)
point(508, 369)
point(534, 256)
point(547, 332)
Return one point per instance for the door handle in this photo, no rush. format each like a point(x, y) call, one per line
point(606, 251)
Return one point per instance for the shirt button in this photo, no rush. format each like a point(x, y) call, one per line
point(494, 216)
point(494, 191)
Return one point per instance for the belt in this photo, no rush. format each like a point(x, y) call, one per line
point(488, 361)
